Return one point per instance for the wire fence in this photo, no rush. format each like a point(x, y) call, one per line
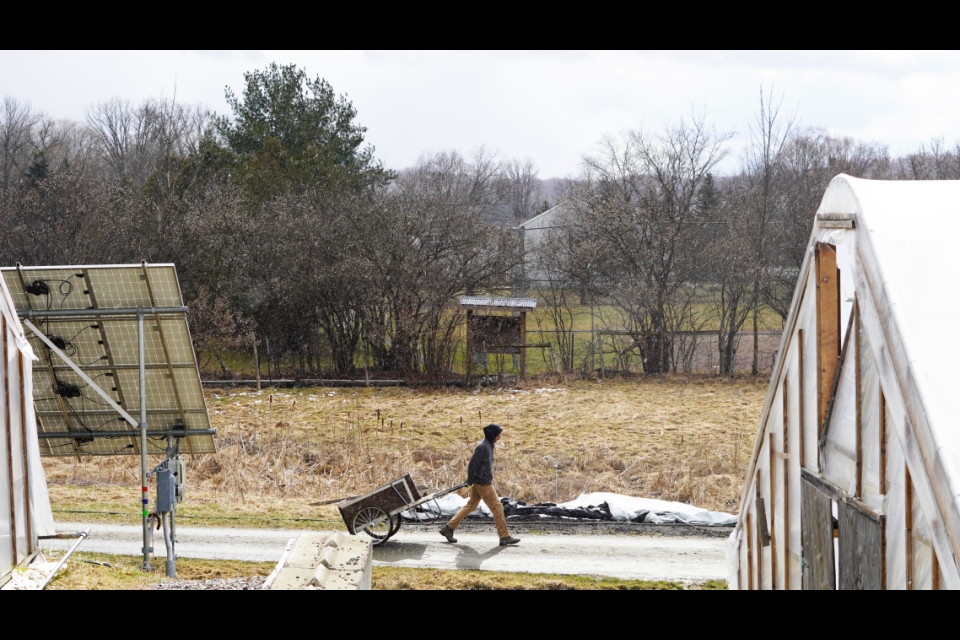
point(599, 351)
point(609, 352)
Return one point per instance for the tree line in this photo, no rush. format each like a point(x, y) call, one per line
point(678, 250)
point(288, 232)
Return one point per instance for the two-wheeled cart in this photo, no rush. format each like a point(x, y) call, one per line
point(378, 513)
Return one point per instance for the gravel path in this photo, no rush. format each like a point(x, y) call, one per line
point(681, 558)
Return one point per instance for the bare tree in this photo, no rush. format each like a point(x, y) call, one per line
point(807, 164)
point(763, 196)
point(17, 120)
point(730, 284)
point(216, 326)
point(132, 140)
point(429, 241)
point(558, 288)
point(641, 232)
point(520, 187)
point(69, 218)
point(932, 161)
point(62, 144)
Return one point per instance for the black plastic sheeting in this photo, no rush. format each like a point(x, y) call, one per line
point(512, 508)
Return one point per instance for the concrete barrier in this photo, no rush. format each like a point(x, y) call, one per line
point(324, 561)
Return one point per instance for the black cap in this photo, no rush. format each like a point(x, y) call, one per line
point(491, 431)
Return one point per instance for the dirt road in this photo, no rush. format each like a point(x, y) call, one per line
point(687, 559)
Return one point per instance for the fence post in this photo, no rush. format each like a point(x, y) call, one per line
point(256, 356)
point(603, 368)
point(593, 338)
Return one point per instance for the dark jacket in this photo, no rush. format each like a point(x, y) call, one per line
point(480, 470)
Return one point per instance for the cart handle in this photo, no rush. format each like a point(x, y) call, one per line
point(440, 494)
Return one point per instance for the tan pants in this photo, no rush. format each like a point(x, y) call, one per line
point(486, 493)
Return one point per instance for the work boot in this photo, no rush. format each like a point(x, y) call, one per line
point(447, 533)
point(509, 541)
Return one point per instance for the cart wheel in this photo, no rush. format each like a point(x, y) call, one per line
point(375, 522)
point(397, 521)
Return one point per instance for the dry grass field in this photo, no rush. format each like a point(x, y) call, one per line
point(282, 451)
point(98, 571)
point(405, 579)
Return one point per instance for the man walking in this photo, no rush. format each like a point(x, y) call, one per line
point(480, 479)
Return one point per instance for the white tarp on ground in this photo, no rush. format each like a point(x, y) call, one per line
point(625, 508)
point(622, 508)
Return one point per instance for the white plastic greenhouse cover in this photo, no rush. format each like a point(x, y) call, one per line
point(41, 517)
point(912, 230)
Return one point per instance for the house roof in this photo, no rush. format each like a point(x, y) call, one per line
point(544, 220)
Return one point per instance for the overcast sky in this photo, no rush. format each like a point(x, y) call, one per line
point(552, 107)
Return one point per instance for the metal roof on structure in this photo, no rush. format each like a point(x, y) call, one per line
point(487, 303)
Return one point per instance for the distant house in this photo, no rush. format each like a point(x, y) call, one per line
point(854, 481)
point(24, 505)
point(534, 235)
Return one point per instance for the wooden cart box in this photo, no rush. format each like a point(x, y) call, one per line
point(397, 496)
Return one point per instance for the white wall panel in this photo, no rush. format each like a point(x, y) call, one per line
point(895, 510)
point(839, 455)
point(6, 541)
point(870, 424)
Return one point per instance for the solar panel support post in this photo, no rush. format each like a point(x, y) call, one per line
point(171, 538)
point(145, 499)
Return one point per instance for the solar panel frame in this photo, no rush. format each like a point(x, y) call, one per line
point(106, 349)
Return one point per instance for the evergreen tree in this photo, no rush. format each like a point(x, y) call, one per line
point(708, 198)
point(38, 170)
point(291, 131)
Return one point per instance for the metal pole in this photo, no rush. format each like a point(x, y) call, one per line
point(100, 313)
point(169, 539)
point(81, 535)
point(145, 498)
point(173, 539)
point(156, 433)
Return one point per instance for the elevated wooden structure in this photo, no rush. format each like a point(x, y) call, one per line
point(497, 326)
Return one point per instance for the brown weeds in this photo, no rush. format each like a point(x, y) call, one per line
point(684, 439)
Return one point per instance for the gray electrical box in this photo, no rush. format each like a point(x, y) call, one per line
point(166, 491)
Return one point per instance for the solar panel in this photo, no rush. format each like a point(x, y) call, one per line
point(106, 349)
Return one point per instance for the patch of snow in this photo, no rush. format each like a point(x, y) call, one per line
point(30, 578)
